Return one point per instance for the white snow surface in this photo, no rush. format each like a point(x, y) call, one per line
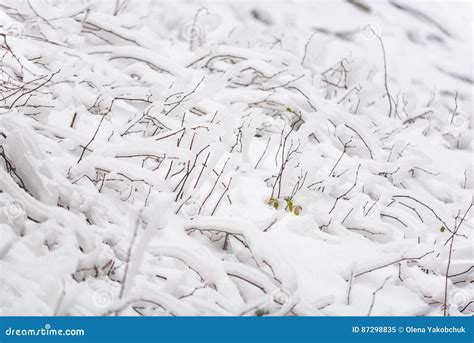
point(236, 158)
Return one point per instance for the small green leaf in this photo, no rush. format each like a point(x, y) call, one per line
point(274, 203)
point(442, 229)
point(289, 204)
point(289, 109)
point(297, 210)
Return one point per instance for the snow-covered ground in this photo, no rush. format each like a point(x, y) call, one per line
point(236, 158)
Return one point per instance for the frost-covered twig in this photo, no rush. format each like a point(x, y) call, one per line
point(387, 92)
point(448, 265)
point(374, 294)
